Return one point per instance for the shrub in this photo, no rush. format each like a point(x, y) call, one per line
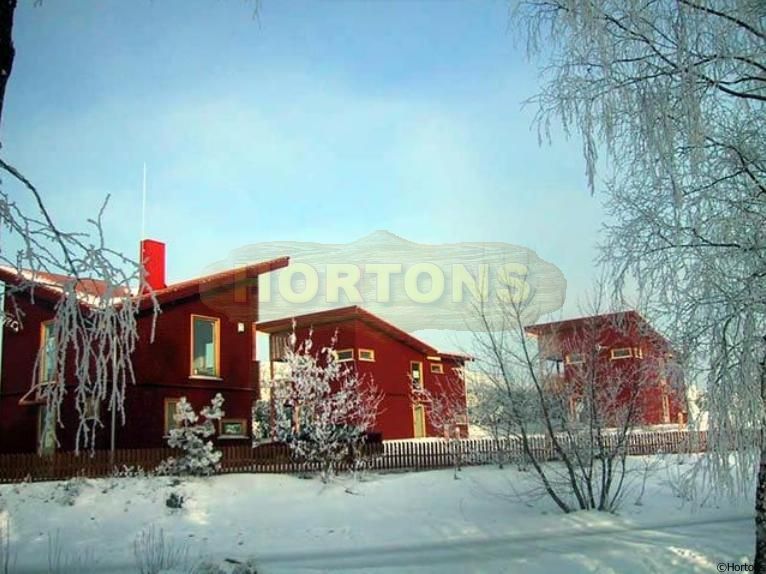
point(200, 457)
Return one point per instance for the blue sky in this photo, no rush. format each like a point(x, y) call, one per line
point(319, 121)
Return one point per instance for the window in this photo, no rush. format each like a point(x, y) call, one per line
point(437, 368)
point(665, 407)
point(416, 374)
point(279, 344)
point(92, 408)
point(170, 413)
point(262, 420)
point(205, 345)
point(289, 417)
point(575, 359)
point(48, 354)
point(46, 430)
point(419, 421)
point(575, 408)
point(344, 355)
point(233, 428)
point(638, 352)
point(367, 355)
point(623, 353)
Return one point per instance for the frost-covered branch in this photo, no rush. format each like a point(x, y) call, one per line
point(585, 418)
point(323, 408)
point(671, 94)
point(94, 293)
point(200, 457)
point(446, 408)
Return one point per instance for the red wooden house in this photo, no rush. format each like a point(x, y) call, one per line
point(204, 344)
point(388, 356)
point(617, 346)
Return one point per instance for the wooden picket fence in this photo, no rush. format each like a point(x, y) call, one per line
point(276, 458)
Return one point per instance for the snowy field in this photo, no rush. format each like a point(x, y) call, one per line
point(394, 523)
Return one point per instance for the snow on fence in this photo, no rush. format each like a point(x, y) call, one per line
point(276, 458)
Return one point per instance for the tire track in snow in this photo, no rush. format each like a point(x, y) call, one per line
point(512, 547)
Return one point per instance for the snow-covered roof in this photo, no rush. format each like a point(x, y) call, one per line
point(91, 291)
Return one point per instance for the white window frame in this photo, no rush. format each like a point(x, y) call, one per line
point(570, 359)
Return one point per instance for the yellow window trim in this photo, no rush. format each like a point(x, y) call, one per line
point(92, 408)
point(665, 407)
point(337, 352)
point(223, 422)
point(216, 342)
point(419, 381)
point(437, 368)
point(415, 409)
point(43, 358)
point(165, 404)
point(628, 355)
point(370, 359)
point(570, 361)
point(41, 414)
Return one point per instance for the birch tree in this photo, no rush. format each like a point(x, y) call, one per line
point(582, 421)
point(447, 410)
point(92, 289)
point(668, 97)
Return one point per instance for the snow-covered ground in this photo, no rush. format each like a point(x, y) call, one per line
point(397, 523)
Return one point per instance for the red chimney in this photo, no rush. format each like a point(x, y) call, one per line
point(153, 260)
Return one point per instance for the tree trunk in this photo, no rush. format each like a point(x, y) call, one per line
point(760, 517)
point(759, 561)
point(7, 51)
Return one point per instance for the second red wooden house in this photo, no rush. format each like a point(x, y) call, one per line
point(390, 357)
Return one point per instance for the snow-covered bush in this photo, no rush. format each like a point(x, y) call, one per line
point(5, 545)
point(175, 501)
point(583, 420)
point(323, 409)
point(66, 493)
point(261, 420)
point(154, 554)
point(200, 458)
point(131, 472)
point(63, 560)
